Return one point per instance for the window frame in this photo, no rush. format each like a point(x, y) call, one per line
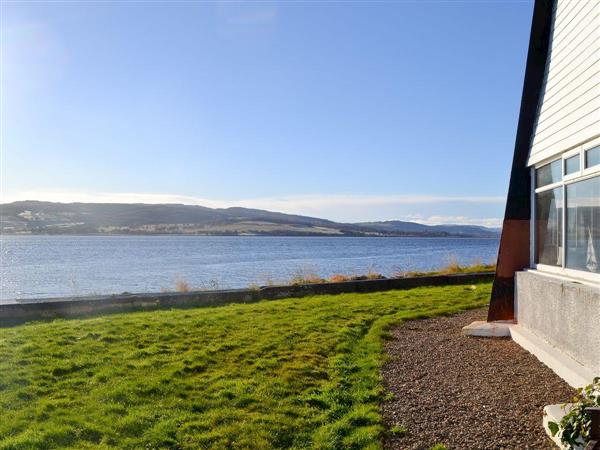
point(584, 148)
point(568, 155)
point(583, 174)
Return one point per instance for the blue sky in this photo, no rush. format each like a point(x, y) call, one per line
point(345, 110)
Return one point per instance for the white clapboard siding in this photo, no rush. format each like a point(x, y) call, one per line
point(569, 113)
point(564, 8)
point(580, 26)
point(584, 52)
point(574, 95)
point(570, 85)
point(582, 45)
point(566, 22)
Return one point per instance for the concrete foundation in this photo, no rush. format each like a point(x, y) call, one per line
point(564, 314)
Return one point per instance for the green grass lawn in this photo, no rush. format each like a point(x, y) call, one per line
point(299, 373)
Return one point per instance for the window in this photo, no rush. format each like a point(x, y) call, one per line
point(548, 174)
point(572, 165)
point(592, 157)
point(548, 213)
point(583, 225)
point(567, 212)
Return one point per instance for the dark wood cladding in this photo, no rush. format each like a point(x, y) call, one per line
point(512, 256)
point(514, 252)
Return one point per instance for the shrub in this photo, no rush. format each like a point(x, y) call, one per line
point(338, 278)
point(452, 267)
point(304, 275)
point(574, 427)
point(212, 285)
point(182, 286)
point(372, 274)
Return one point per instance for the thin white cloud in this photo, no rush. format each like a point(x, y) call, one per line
point(357, 200)
point(492, 222)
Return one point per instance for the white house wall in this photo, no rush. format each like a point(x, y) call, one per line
point(569, 113)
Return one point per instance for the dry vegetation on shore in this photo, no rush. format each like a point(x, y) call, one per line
point(310, 276)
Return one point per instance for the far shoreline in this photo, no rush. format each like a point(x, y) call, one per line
point(412, 236)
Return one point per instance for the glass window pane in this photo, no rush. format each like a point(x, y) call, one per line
point(548, 174)
point(583, 225)
point(572, 165)
point(548, 214)
point(592, 157)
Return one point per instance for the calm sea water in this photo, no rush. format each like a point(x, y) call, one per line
point(55, 266)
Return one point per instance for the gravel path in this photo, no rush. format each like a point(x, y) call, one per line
point(467, 393)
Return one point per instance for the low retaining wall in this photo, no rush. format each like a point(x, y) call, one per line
point(83, 306)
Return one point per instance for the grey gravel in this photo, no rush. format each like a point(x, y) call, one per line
point(464, 392)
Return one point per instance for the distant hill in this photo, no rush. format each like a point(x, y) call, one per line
point(35, 217)
point(393, 226)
